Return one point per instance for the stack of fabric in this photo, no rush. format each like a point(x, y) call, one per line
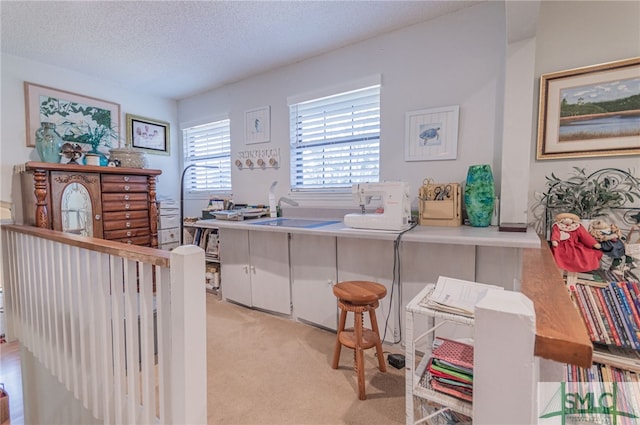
point(450, 369)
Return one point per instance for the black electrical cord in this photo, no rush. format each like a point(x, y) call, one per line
point(184, 172)
point(396, 280)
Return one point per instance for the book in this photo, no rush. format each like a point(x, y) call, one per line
point(624, 342)
point(634, 331)
point(615, 296)
point(607, 315)
point(631, 301)
point(592, 314)
point(583, 312)
point(601, 316)
point(457, 296)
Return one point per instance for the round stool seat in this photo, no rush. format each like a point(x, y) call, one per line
point(359, 292)
point(348, 338)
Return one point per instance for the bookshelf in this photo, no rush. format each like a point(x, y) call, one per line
point(207, 239)
point(417, 386)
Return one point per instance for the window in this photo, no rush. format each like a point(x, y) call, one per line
point(208, 145)
point(335, 140)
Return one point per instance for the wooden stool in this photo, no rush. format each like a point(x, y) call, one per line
point(359, 297)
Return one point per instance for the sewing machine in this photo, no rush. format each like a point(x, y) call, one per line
point(393, 213)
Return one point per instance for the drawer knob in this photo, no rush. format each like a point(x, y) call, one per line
point(129, 242)
point(127, 206)
point(127, 188)
point(98, 217)
point(127, 215)
point(129, 233)
point(126, 178)
point(126, 197)
point(128, 224)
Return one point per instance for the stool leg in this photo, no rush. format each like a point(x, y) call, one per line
point(374, 327)
point(359, 356)
point(336, 350)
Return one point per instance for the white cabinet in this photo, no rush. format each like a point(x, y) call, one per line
point(313, 274)
point(255, 269)
point(415, 364)
point(373, 259)
point(168, 224)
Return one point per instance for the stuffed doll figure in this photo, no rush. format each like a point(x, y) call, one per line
point(610, 238)
point(573, 248)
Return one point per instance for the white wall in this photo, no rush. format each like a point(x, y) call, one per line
point(576, 34)
point(13, 148)
point(454, 60)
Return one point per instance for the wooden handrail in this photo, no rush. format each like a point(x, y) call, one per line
point(142, 254)
point(561, 334)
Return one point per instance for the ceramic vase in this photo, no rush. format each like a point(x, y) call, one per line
point(48, 142)
point(101, 159)
point(479, 195)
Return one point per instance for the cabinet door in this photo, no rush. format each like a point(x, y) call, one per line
point(234, 261)
point(313, 274)
point(76, 206)
point(270, 285)
point(372, 259)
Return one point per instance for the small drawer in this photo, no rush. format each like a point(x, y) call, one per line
point(168, 204)
point(126, 224)
point(168, 235)
point(125, 206)
point(169, 221)
point(125, 187)
point(138, 240)
point(169, 211)
point(111, 197)
point(169, 246)
point(123, 178)
point(126, 233)
point(125, 215)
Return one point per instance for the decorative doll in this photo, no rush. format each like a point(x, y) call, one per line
point(574, 249)
point(610, 238)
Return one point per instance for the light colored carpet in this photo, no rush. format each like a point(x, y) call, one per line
point(264, 369)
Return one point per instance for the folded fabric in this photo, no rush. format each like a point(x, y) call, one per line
point(450, 391)
point(452, 366)
point(447, 373)
point(456, 384)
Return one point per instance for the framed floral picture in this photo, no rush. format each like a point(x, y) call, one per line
point(591, 111)
point(148, 134)
point(78, 118)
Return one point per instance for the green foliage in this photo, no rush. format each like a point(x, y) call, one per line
point(592, 195)
point(626, 104)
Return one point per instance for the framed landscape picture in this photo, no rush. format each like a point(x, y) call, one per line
point(591, 111)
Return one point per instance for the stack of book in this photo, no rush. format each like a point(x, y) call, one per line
point(450, 369)
point(611, 313)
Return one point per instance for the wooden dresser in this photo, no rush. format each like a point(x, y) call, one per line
point(114, 203)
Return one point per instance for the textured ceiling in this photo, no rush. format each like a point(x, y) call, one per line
point(176, 49)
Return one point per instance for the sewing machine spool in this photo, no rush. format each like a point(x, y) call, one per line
point(440, 204)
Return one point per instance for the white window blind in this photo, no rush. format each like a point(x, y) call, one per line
point(208, 145)
point(335, 140)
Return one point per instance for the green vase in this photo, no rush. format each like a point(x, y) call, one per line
point(48, 142)
point(479, 195)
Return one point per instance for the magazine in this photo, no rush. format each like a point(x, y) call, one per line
point(457, 296)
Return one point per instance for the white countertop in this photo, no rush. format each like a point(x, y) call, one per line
point(461, 235)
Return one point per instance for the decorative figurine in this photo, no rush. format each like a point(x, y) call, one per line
point(72, 152)
point(574, 249)
point(610, 238)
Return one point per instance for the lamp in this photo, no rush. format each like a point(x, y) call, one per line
point(184, 172)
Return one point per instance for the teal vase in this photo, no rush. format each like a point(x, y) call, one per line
point(479, 195)
point(48, 142)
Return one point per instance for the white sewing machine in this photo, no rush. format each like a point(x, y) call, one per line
point(393, 213)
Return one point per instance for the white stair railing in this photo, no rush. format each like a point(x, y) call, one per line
point(122, 328)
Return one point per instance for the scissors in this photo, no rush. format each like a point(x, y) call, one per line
point(441, 193)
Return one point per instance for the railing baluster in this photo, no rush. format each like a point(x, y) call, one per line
point(100, 320)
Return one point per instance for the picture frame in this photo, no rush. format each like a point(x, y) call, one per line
point(72, 113)
point(432, 134)
point(583, 113)
point(257, 125)
point(148, 134)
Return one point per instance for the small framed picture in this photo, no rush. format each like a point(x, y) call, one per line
point(257, 125)
point(431, 134)
point(148, 134)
